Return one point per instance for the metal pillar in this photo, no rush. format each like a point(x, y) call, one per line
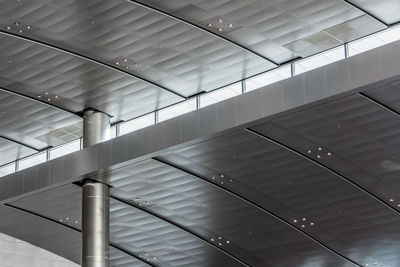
point(95, 198)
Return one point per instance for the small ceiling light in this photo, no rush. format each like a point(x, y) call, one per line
point(60, 220)
point(125, 60)
point(220, 244)
point(46, 93)
point(391, 200)
point(127, 67)
point(220, 20)
point(116, 63)
point(48, 99)
point(137, 64)
point(318, 156)
point(39, 96)
point(154, 258)
point(219, 238)
point(213, 178)
point(304, 219)
point(67, 218)
point(376, 263)
point(20, 31)
point(228, 242)
point(398, 205)
point(295, 221)
point(140, 204)
point(147, 254)
point(329, 154)
point(209, 25)
point(16, 23)
point(309, 151)
point(147, 202)
point(220, 29)
point(312, 224)
point(222, 182)
point(319, 148)
point(8, 28)
point(230, 25)
point(76, 222)
point(92, 22)
point(302, 226)
point(230, 180)
point(222, 176)
point(212, 239)
point(28, 27)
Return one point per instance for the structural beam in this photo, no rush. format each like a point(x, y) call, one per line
point(95, 198)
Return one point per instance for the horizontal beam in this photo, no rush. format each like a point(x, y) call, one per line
point(19, 143)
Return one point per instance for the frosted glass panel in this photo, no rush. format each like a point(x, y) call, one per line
point(7, 169)
point(264, 79)
point(65, 149)
point(319, 60)
point(177, 110)
point(220, 94)
point(136, 124)
point(32, 161)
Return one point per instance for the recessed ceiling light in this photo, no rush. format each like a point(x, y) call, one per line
point(295, 221)
point(228, 242)
point(302, 226)
point(318, 156)
point(312, 224)
point(319, 148)
point(220, 20)
point(230, 25)
point(329, 154)
point(16, 23)
point(8, 28)
point(209, 25)
point(46, 93)
point(220, 244)
point(304, 219)
point(220, 29)
point(20, 31)
point(116, 63)
point(309, 151)
point(28, 27)
point(391, 200)
point(125, 60)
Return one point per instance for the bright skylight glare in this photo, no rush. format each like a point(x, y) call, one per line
point(177, 110)
point(7, 169)
point(220, 94)
point(136, 124)
point(319, 60)
point(32, 160)
point(270, 77)
point(65, 149)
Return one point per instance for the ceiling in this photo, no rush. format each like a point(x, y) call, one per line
point(129, 58)
point(314, 187)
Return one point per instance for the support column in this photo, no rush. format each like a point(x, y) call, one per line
point(95, 198)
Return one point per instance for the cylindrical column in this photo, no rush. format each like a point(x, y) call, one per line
point(96, 127)
point(95, 198)
point(95, 224)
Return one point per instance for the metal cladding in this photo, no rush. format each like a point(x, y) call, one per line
point(302, 172)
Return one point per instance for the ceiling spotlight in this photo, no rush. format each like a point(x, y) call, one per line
point(48, 99)
point(295, 221)
point(391, 200)
point(220, 20)
point(16, 23)
point(39, 96)
point(318, 156)
point(319, 148)
point(76, 222)
point(56, 96)
point(213, 178)
point(222, 182)
point(125, 60)
point(222, 176)
point(228, 242)
point(219, 238)
point(212, 239)
point(220, 29)
point(20, 31)
point(92, 22)
point(304, 219)
point(46, 93)
point(230, 25)
point(28, 27)
point(154, 258)
point(302, 226)
point(209, 25)
point(8, 28)
point(220, 244)
point(329, 154)
point(116, 63)
point(312, 224)
point(147, 254)
point(309, 151)
point(398, 205)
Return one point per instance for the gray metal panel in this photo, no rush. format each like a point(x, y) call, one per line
point(74, 83)
point(223, 219)
point(121, 259)
point(41, 232)
point(386, 10)
point(343, 216)
point(11, 151)
point(29, 122)
point(156, 47)
point(268, 27)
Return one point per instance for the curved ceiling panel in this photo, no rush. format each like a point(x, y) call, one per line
point(33, 123)
point(221, 218)
point(11, 151)
point(280, 30)
point(135, 39)
point(75, 83)
point(386, 10)
point(311, 198)
point(121, 259)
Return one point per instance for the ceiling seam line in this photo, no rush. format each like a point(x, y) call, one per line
point(184, 228)
point(254, 204)
point(372, 100)
point(68, 226)
point(191, 24)
point(19, 143)
point(31, 98)
point(342, 177)
point(89, 59)
point(366, 12)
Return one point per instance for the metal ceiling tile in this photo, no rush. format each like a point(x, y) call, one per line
point(223, 219)
point(26, 121)
point(41, 232)
point(121, 259)
point(266, 27)
point(74, 83)
point(343, 216)
point(386, 10)
point(137, 40)
point(11, 151)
